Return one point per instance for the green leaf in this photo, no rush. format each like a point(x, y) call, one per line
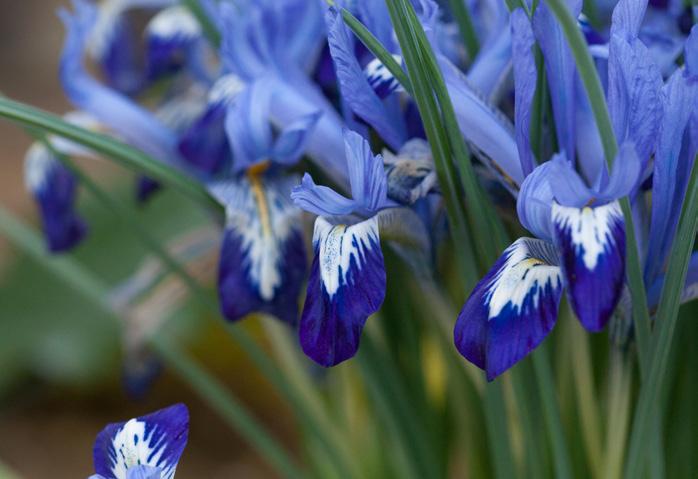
point(465, 26)
point(121, 153)
point(667, 315)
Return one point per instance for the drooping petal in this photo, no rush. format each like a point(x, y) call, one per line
point(512, 309)
point(171, 34)
point(568, 187)
point(561, 72)
point(591, 242)
point(346, 286)
point(53, 186)
point(355, 87)
point(625, 174)
point(262, 263)
point(671, 167)
point(129, 120)
point(525, 78)
point(156, 440)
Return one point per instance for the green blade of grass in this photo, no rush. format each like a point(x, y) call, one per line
point(465, 25)
point(667, 316)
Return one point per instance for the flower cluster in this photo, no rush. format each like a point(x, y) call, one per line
point(290, 82)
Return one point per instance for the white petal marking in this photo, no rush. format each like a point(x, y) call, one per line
point(590, 228)
point(338, 244)
point(174, 21)
point(133, 448)
point(530, 264)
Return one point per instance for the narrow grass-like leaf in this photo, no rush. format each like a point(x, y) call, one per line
point(121, 153)
point(465, 25)
point(667, 316)
point(96, 291)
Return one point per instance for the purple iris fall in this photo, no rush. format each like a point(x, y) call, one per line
point(147, 447)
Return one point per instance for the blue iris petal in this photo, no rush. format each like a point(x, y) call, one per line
point(512, 309)
point(156, 440)
point(346, 285)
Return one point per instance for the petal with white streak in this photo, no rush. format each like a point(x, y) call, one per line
point(591, 242)
point(263, 262)
point(156, 441)
point(346, 286)
point(512, 309)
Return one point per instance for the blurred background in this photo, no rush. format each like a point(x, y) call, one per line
point(61, 358)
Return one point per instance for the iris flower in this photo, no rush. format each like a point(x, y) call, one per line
point(572, 206)
point(147, 447)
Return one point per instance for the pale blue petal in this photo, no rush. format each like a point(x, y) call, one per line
point(355, 87)
point(535, 201)
point(492, 65)
point(671, 167)
point(625, 174)
point(561, 72)
point(293, 139)
point(525, 78)
point(369, 185)
point(321, 200)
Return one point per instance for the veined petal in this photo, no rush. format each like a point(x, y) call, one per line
point(129, 120)
point(156, 440)
point(634, 95)
point(262, 263)
point(591, 242)
point(525, 78)
point(369, 185)
point(53, 187)
point(512, 309)
point(671, 167)
point(346, 286)
point(355, 86)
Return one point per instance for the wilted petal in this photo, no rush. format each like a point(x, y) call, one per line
point(346, 286)
point(262, 263)
point(156, 440)
point(512, 309)
point(355, 86)
point(53, 187)
point(525, 79)
point(591, 242)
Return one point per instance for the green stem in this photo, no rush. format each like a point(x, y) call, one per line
point(95, 290)
point(551, 413)
point(465, 26)
point(617, 414)
point(667, 316)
